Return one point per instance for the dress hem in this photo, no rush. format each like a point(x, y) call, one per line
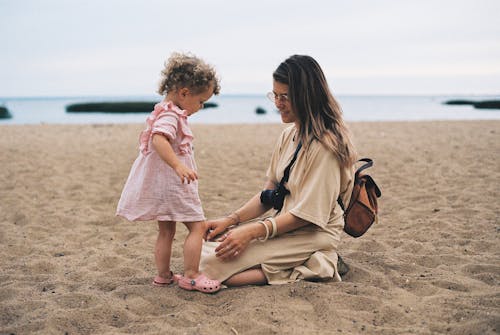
point(160, 218)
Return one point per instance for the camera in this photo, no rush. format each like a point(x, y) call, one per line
point(274, 197)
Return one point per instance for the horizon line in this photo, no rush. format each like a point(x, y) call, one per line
point(87, 96)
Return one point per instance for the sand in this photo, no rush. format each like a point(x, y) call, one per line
point(69, 266)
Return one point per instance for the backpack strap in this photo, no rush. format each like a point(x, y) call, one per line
point(341, 203)
point(368, 163)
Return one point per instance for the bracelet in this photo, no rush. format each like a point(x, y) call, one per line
point(275, 227)
point(264, 239)
point(234, 216)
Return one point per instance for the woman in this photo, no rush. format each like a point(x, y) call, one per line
point(300, 241)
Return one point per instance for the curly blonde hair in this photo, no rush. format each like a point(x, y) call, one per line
point(186, 70)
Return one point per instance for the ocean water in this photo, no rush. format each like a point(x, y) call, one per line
point(234, 109)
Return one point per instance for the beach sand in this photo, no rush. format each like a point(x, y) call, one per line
point(69, 266)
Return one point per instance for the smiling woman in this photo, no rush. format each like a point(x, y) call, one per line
point(313, 158)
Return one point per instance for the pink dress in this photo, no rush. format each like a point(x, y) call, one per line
point(153, 190)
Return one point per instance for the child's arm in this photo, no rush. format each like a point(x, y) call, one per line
point(164, 149)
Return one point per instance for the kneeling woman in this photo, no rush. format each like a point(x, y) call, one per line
point(300, 241)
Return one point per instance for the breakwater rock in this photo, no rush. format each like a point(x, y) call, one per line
point(4, 113)
point(119, 107)
point(485, 104)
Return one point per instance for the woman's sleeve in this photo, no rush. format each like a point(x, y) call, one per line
point(166, 124)
point(319, 188)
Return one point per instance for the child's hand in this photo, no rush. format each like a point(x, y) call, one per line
point(216, 227)
point(186, 174)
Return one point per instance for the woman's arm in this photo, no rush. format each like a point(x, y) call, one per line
point(254, 208)
point(251, 210)
point(164, 149)
point(236, 240)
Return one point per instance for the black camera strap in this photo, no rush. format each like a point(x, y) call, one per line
point(287, 169)
point(276, 196)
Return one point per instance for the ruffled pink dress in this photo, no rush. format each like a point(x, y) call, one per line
point(153, 190)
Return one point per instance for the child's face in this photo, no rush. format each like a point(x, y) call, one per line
point(194, 102)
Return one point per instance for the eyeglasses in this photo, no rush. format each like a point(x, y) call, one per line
point(277, 97)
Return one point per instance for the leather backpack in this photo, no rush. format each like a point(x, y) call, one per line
point(362, 210)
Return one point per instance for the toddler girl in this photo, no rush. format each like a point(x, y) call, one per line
point(162, 184)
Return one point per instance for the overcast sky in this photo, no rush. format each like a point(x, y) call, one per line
point(117, 47)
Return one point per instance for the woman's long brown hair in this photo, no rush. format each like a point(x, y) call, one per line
point(319, 114)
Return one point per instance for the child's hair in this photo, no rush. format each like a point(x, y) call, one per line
point(186, 70)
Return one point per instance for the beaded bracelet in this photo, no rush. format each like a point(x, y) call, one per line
point(275, 228)
point(264, 239)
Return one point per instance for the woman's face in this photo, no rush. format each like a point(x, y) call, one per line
point(282, 102)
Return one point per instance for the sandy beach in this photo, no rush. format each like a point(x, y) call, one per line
point(69, 266)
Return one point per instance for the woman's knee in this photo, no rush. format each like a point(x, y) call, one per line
point(324, 242)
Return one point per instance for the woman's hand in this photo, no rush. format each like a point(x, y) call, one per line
point(235, 241)
point(216, 227)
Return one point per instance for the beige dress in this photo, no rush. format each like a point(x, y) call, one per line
point(315, 182)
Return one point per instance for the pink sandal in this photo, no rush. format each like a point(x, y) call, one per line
point(201, 283)
point(161, 282)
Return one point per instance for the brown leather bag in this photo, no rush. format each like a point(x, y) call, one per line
point(363, 207)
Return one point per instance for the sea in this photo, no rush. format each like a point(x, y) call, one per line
point(241, 109)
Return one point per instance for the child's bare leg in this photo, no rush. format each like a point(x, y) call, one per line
point(192, 248)
point(163, 247)
point(248, 277)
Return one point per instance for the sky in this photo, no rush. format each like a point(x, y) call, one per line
point(118, 47)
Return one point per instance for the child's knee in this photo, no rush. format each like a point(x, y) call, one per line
point(196, 227)
point(166, 228)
